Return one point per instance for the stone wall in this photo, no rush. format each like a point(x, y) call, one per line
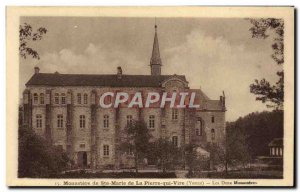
point(184, 126)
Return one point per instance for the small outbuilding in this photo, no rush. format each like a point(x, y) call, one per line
point(276, 147)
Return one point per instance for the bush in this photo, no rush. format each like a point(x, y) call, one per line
point(37, 157)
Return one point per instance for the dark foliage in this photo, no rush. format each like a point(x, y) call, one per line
point(233, 151)
point(195, 162)
point(259, 129)
point(273, 95)
point(37, 157)
point(165, 153)
point(26, 35)
point(136, 137)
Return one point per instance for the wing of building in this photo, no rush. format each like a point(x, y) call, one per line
point(63, 108)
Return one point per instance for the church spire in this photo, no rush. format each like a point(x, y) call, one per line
point(155, 61)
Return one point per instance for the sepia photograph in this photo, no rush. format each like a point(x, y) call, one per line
point(105, 98)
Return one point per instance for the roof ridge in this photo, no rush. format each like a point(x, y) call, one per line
point(103, 74)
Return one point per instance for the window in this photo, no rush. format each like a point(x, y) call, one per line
point(56, 98)
point(60, 147)
point(42, 98)
point(174, 114)
point(212, 134)
point(59, 121)
point(82, 145)
point(79, 98)
point(35, 98)
point(130, 150)
point(82, 121)
point(105, 150)
point(85, 98)
point(63, 99)
point(39, 121)
point(199, 127)
point(129, 120)
point(175, 141)
point(106, 121)
point(213, 119)
point(151, 121)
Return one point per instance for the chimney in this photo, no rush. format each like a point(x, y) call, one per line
point(223, 98)
point(36, 70)
point(119, 72)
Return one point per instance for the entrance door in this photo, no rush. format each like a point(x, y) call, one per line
point(151, 160)
point(82, 159)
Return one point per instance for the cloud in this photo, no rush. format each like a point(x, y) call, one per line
point(214, 64)
point(95, 59)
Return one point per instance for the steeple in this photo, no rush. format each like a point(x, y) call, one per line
point(155, 61)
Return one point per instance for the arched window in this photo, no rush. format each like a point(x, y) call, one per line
point(151, 121)
point(56, 98)
point(199, 128)
point(212, 134)
point(35, 98)
point(63, 99)
point(42, 98)
point(82, 121)
point(212, 119)
point(105, 121)
point(85, 98)
point(79, 98)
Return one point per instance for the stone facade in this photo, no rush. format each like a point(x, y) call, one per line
point(68, 114)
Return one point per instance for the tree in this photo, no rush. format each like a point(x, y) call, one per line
point(259, 129)
point(137, 139)
point(272, 95)
point(233, 150)
point(166, 153)
point(37, 157)
point(26, 35)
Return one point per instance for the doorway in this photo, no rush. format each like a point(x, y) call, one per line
point(82, 159)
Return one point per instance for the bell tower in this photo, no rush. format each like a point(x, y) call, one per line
point(155, 62)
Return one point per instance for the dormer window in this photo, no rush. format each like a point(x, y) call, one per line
point(35, 98)
point(85, 98)
point(56, 98)
point(42, 98)
point(79, 98)
point(63, 99)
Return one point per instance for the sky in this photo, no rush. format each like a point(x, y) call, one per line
point(214, 54)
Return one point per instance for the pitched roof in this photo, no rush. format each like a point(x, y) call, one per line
point(213, 105)
point(277, 142)
point(56, 79)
